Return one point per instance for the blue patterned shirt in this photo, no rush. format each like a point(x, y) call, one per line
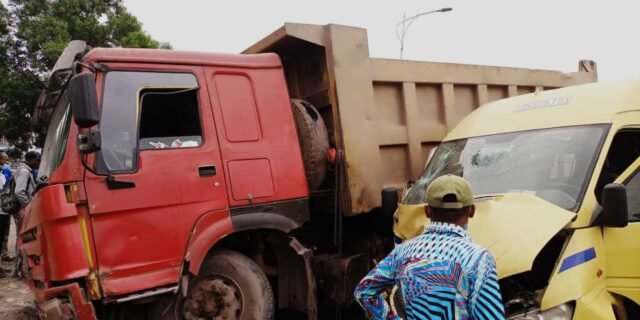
point(441, 274)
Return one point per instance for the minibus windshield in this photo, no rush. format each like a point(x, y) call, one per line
point(553, 164)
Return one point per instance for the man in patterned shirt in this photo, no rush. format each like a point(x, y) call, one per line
point(440, 274)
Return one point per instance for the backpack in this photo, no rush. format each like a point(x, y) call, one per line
point(8, 198)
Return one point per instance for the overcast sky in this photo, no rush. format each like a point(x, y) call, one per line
point(542, 34)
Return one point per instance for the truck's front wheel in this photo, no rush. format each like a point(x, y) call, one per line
point(231, 287)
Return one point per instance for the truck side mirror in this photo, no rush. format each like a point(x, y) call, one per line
point(389, 201)
point(614, 206)
point(84, 100)
point(84, 105)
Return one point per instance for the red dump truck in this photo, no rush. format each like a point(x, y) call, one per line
point(235, 186)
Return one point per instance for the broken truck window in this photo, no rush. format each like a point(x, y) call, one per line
point(120, 114)
point(169, 118)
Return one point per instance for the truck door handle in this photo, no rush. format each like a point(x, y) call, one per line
point(113, 184)
point(207, 171)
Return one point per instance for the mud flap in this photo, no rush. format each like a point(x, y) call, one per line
point(296, 281)
point(340, 275)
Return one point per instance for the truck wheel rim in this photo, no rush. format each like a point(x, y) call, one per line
point(217, 297)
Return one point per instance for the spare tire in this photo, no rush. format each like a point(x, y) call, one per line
point(314, 141)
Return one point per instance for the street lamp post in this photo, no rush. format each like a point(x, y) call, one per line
point(407, 22)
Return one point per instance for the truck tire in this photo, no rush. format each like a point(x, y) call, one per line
point(230, 286)
point(314, 141)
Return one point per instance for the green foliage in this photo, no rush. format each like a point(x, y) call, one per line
point(33, 33)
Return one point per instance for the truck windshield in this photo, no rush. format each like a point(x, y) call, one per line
point(553, 164)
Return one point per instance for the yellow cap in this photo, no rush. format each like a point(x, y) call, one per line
point(457, 189)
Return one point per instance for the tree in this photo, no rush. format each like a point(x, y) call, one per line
point(17, 88)
point(33, 33)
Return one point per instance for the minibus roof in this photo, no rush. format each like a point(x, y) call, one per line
point(593, 103)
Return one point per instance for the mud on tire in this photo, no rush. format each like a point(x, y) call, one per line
point(314, 141)
point(230, 286)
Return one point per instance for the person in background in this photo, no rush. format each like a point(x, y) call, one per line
point(440, 274)
point(4, 217)
point(25, 186)
point(5, 168)
point(25, 182)
point(5, 165)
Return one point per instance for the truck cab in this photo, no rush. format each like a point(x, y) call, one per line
point(556, 178)
point(169, 153)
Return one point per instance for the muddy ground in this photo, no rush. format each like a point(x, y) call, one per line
point(16, 301)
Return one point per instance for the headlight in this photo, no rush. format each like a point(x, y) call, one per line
point(561, 312)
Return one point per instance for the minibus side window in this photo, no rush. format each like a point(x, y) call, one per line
point(624, 149)
point(633, 197)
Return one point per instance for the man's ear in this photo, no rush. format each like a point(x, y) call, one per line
point(427, 211)
point(472, 211)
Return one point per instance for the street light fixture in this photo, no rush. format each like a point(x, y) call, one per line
point(407, 22)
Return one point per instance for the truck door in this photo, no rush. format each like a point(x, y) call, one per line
point(623, 244)
point(262, 161)
point(159, 171)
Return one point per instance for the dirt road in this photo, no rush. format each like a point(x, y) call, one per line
point(16, 301)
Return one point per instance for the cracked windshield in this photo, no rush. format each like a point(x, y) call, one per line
point(553, 164)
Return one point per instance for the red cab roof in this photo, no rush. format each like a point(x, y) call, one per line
point(262, 60)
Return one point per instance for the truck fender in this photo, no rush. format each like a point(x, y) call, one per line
point(263, 220)
point(214, 226)
point(208, 230)
point(282, 216)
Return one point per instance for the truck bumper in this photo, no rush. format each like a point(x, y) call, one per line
point(63, 303)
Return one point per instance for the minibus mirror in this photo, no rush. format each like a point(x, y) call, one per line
point(84, 101)
point(389, 201)
point(614, 206)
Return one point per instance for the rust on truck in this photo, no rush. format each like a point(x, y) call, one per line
point(388, 114)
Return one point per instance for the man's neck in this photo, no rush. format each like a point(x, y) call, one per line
point(459, 223)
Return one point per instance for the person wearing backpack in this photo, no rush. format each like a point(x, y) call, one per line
point(24, 184)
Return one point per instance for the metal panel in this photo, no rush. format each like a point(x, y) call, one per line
point(386, 115)
point(238, 107)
